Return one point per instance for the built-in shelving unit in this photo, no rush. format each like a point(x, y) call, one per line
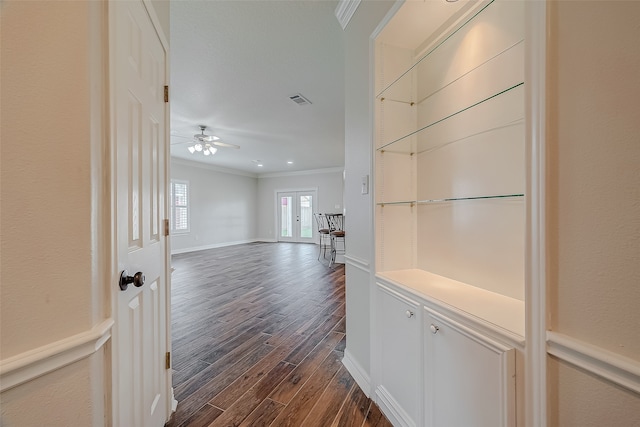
point(449, 151)
point(449, 212)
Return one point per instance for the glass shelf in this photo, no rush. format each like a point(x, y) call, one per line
point(451, 199)
point(434, 48)
point(494, 112)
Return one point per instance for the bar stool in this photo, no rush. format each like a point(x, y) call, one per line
point(323, 233)
point(337, 235)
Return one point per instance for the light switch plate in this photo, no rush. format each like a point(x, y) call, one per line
point(365, 184)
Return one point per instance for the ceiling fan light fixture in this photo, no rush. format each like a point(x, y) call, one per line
point(205, 138)
point(205, 144)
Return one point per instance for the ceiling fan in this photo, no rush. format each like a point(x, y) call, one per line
point(203, 143)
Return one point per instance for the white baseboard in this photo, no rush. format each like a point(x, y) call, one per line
point(174, 401)
point(357, 372)
point(213, 246)
point(391, 409)
point(32, 364)
point(606, 364)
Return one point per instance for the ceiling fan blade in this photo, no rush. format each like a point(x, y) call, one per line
point(225, 144)
point(205, 138)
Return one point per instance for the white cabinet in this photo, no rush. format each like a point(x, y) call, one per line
point(469, 378)
point(437, 366)
point(400, 356)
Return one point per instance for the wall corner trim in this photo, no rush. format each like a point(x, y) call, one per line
point(357, 372)
point(345, 11)
point(359, 263)
point(606, 364)
point(32, 364)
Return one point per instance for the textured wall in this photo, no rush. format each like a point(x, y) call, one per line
point(52, 101)
point(594, 209)
point(46, 174)
point(595, 175)
point(579, 399)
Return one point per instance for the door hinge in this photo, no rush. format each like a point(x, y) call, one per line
point(166, 227)
point(167, 360)
point(166, 94)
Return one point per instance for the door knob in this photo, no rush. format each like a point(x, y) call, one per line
point(125, 280)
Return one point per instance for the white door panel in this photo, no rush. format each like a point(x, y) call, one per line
point(141, 382)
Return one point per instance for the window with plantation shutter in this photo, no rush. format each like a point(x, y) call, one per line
point(179, 219)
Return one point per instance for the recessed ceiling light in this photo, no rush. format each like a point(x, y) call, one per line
point(259, 165)
point(289, 162)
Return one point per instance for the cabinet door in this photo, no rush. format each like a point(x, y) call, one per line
point(469, 378)
point(399, 352)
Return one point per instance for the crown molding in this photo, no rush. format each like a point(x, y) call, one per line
point(345, 11)
point(193, 163)
point(298, 173)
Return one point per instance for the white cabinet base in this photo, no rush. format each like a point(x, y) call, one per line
point(469, 378)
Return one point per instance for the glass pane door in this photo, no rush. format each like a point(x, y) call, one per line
point(286, 217)
point(295, 216)
point(305, 202)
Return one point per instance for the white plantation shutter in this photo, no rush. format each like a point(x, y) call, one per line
point(179, 206)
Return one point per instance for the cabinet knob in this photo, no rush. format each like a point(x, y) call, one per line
point(409, 313)
point(434, 329)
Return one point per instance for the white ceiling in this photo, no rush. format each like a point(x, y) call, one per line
point(234, 65)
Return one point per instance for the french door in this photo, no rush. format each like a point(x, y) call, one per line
point(295, 216)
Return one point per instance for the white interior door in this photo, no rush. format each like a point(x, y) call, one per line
point(295, 216)
point(141, 381)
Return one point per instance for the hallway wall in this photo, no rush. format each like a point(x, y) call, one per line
point(594, 208)
point(53, 295)
point(358, 163)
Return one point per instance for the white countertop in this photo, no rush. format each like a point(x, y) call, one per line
point(504, 312)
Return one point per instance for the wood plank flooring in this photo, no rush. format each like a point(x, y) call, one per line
point(258, 336)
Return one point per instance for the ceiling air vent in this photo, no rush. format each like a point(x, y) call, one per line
point(299, 99)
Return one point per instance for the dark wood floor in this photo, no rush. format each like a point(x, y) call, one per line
point(258, 338)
